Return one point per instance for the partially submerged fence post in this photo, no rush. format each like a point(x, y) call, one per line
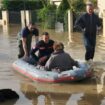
point(70, 24)
point(28, 17)
point(25, 18)
point(5, 20)
point(103, 23)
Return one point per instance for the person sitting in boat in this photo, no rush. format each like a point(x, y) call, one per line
point(59, 59)
point(44, 48)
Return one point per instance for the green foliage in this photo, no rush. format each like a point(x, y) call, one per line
point(45, 2)
point(64, 5)
point(5, 4)
point(61, 11)
point(47, 16)
point(21, 5)
point(45, 10)
point(94, 2)
point(77, 5)
point(66, 21)
point(74, 5)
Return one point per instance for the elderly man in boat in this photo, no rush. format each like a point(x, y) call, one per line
point(59, 59)
point(44, 48)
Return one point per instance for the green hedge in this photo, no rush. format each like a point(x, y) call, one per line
point(61, 11)
point(21, 5)
point(47, 16)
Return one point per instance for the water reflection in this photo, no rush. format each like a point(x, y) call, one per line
point(84, 93)
point(91, 92)
point(11, 102)
point(100, 86)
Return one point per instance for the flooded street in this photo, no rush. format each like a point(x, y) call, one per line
point(88, 92)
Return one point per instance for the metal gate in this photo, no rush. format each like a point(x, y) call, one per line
point(14, 17)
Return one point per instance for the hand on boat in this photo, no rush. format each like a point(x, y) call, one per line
point(26, 58)
point(43, 59)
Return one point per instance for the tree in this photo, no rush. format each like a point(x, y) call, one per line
point(93, 1)
point(45, 2)
point(77, 5)
point(61, 11)
point(47, 15)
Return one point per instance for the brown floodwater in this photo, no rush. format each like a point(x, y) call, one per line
point(88, 92)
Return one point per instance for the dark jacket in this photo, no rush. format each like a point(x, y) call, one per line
point(60, 60)
point(26, 33)
point(89, 23)
point(44, 49)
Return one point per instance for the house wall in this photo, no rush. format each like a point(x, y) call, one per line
point(101, 6)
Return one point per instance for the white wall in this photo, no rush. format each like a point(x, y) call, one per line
point(1, 22)
point(101, 6)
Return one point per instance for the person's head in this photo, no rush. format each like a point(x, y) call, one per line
point(45, 37)
point(31, 26)
point(58, 46)
point(89, 7)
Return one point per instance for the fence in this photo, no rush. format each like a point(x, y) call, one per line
point(14, 17)
point(48, 21)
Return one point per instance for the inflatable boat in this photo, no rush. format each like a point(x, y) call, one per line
point(39, 74)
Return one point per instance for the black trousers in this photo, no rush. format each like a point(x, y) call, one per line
point(90, 44)
point(21, 51)
point(37, 60)
point(89, 52)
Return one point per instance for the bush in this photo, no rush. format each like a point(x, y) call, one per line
point(47, 16)
point(77, 5)
point(21, 5)
point(61, 11)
